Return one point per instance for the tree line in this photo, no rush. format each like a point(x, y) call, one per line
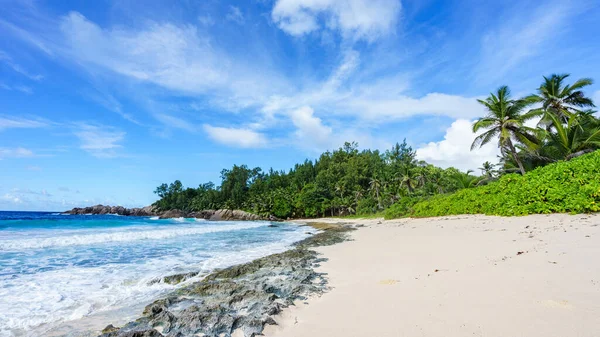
point(348, 181)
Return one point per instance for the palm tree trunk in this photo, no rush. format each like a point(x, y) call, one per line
point(378, 200)
point(578, 153)
point(513, 151)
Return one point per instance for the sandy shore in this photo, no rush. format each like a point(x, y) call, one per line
point(458, 276)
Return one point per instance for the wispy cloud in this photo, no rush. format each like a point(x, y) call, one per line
point(7, 197)
point(18, 152)
point(8, 122)
point(99, 141)
point(42, 192)
point(520, 38)
point(176, 123)
point(235, 15)
point(5, 58)
point(244, 138)
point(206, 20)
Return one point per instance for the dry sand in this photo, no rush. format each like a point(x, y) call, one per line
point(458, 276)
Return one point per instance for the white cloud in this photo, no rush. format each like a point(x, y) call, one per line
point(310, 131)
point(99, 141)
point(235, 15)
point(24, 89)
point(455, 149)
point(8, 122)
point(520, 38)
point(18, 152)
point(175, 122)
point(400, 106)
point(178, 58)
point(4, 57)
point(12, 198)
point(206, 20)
point(357, 19)
point(18, 191)
point(235, 137)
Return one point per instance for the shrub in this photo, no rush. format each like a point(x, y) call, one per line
point(564, 187)
point(402, 208)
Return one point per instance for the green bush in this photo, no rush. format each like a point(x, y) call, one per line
point(564, 187)
point(366, 206)
point(401, 208)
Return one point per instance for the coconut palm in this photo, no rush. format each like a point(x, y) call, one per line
point(505, 121)
point(559, 99)
point(407, 178)
point(464, 180)
point(375, 185)
point(487, 169)
point(579, 136)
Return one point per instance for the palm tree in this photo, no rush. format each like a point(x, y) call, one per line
point(376, 186)
point(406, 177)
point(504, 120)
point(487, 169)
point(559, 99)
point(465, 180)
point(579, 136)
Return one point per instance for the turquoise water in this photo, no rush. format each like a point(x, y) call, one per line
point(69, 274)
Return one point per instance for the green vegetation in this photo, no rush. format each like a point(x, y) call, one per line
point(565, 187)
point(339, 183)
point(349, 182)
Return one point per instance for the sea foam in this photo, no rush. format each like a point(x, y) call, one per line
point(88, 239)
point(59, 281)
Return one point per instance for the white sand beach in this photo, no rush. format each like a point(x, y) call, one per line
point(458, 276)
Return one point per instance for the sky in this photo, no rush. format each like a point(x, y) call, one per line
point(102, 101)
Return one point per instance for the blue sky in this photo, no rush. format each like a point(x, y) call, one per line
point(101, 101)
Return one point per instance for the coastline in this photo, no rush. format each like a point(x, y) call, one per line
point(242, 298)
point(456, 276)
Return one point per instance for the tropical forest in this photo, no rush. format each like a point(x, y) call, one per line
point(547, 164)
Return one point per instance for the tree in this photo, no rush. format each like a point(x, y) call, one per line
point(375, 185)
point(579, 136)
point(559, 99)
point(465, 180)
point(487, 170)
point(504, 120)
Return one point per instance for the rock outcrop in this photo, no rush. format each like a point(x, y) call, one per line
point(214, 215)
point(227, 214)
point(119, 210)
point(244, 297)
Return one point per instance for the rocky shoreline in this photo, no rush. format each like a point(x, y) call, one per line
point(214, 215)
point(244, 297)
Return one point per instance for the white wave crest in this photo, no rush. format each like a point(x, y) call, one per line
point(120, 236)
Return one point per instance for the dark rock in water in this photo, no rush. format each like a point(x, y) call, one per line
point(173, 213)
point(241, 297)
point(215, 215)
point(175, 279)
point(145, 333)
point(120, 210)
point(110, 328)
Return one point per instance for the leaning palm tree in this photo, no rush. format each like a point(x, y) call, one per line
point(576, 138)
point(559, 99)
point(504, 120)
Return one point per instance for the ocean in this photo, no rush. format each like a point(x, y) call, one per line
point(70, 275)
